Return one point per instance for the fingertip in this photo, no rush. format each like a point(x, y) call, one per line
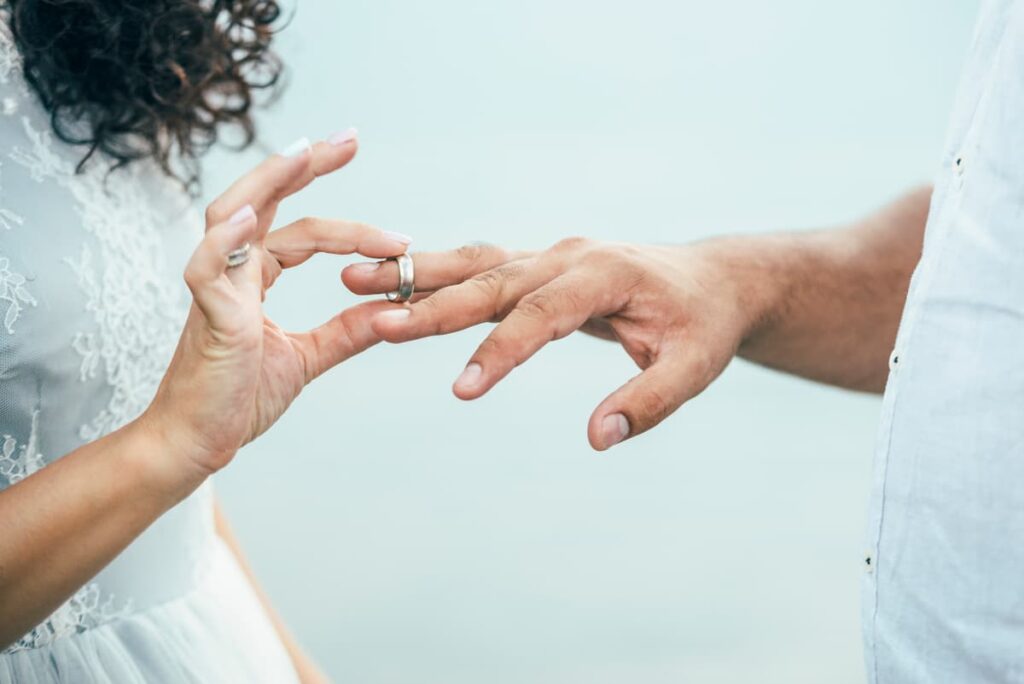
point(243, 216)
point(239, 228)
point(607, 430)
point(470, 384)
point(346, 138)
point(382, 244)
point(356, 277)
point(296, 149)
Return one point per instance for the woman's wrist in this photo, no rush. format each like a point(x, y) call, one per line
point(158, 462)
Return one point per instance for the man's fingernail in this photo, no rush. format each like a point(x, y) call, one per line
point(398, 237)
point(343, 137)
point(614, 429)
point(470, 377)
point(296, 148)
point(365, 269)
point(395, 315)
point(243, 215)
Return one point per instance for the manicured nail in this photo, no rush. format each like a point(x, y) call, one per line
point(296, 148)
point(395, 315)
point(614, 429)
point(365, 269)
point(342, 137)
point(470, 377)
point(243, 215)
point(397, 237)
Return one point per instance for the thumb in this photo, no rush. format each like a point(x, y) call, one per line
point(650, 397)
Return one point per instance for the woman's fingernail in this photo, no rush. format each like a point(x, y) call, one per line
point(365, 269)
point(343, 137)
point(470, 377)
point(296, 148)
point(243, 215)
point(614, 429)
point(395, 315)
point(397, 237)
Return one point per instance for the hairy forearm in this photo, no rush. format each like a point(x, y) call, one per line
point(826, 304)
point(63, 524)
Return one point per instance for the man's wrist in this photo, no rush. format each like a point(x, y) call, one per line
point(753, 268)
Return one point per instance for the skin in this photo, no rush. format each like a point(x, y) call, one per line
point(232, 376)
point(824, 305)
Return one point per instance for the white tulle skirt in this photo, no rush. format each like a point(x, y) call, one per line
point(217, 633)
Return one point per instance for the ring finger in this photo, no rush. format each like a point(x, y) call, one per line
point(434, 270)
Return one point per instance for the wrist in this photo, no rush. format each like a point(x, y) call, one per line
point(161, 467)
point(751, 269)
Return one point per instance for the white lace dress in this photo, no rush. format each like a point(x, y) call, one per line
point(91, 304)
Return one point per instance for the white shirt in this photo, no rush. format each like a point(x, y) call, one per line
point(943, 592)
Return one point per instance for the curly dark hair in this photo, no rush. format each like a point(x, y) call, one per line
point(148, 79)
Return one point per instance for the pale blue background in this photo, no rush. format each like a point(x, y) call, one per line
point(435, 541)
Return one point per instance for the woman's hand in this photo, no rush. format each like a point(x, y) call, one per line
point(679, 312)
point(235, 371)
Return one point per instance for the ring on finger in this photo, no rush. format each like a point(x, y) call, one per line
point(406, 279)
point(239, 256)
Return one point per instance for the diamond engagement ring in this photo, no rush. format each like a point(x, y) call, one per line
point(406, 279)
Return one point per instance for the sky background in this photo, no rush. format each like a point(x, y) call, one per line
point(422, 539)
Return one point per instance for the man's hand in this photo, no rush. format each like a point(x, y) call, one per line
point(824, 305)
point(672, 309)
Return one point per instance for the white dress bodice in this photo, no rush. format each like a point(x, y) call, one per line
point(91, 306)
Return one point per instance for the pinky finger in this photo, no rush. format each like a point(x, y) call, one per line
point(206, 272)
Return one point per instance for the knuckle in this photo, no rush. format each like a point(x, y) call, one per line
point(653, 407)
point(492, 346)
point(704, 366)
point(493, 282)
point(537, 305)
point(308, 225)
point(606, 255)
point(572, 244)
point(482, 254)
point(429, 315)
point(215, 212)
point(192, 278)
point(471, 253)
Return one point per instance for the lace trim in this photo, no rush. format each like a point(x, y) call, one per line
point(14, 293)
point(83, 611)
point(17, 463)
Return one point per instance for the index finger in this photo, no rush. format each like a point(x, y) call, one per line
point(283, 174)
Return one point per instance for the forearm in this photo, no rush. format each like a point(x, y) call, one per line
point(63, 524)
point(827, 304)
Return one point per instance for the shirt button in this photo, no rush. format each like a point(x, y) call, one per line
point(958, 165)
point(894, 359)
point(869, 562)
